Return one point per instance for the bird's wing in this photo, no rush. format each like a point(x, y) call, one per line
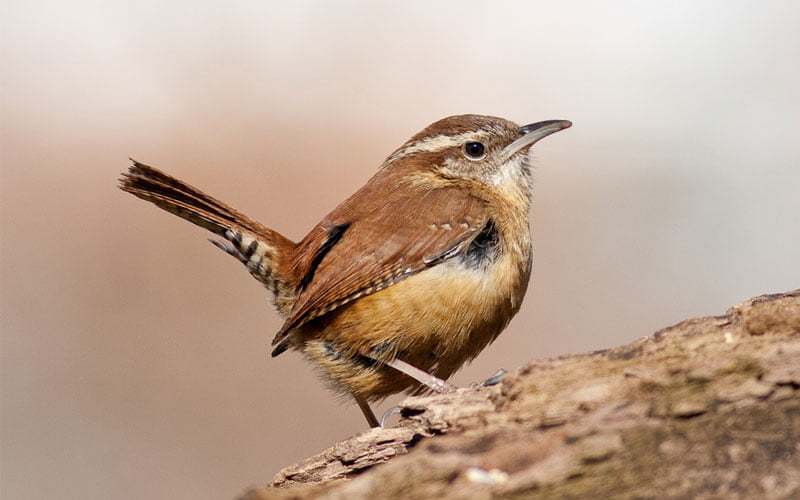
point(366, 245)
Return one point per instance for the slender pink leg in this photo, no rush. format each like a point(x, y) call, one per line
point(434, 383)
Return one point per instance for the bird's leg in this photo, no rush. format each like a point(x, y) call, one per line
point(366, 410)
point(434, 383)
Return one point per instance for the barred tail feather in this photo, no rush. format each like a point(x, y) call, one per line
point(256, 246)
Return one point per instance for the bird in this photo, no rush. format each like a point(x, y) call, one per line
point(407, 279)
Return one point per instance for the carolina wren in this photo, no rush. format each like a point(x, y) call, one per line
point(407, 279)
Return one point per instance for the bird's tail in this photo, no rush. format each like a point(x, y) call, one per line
point(259, 248)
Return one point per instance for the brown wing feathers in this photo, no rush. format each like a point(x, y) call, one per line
point(380, 248)
point(335, 233)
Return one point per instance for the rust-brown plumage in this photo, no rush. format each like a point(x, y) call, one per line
point(423, 266)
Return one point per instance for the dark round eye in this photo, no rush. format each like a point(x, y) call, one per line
point(474, 150)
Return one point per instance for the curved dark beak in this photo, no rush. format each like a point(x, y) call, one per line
point(533, 133)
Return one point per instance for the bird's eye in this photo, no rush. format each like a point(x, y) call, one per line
point(474, 150)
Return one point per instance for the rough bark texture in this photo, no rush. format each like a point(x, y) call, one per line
point(708, 408)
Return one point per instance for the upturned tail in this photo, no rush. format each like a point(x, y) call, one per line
point(259, 248)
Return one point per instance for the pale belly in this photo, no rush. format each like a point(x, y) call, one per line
point(436, 321)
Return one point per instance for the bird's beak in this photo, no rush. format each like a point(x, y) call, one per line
point(533, 133)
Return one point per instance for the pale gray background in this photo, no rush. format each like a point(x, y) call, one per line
point(134, 353)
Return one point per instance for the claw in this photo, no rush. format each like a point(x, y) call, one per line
point(493, 380)
point(394, 410)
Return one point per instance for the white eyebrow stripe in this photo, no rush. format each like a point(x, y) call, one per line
point(433, 144)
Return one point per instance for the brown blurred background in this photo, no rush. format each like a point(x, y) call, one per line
point(134, 353)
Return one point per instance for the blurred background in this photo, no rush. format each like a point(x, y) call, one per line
point(134, 353)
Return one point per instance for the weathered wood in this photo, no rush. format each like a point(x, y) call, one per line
point(708, 408)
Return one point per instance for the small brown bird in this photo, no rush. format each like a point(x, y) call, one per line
point(407, 279)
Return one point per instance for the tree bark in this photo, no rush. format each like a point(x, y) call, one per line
point(708, 408)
